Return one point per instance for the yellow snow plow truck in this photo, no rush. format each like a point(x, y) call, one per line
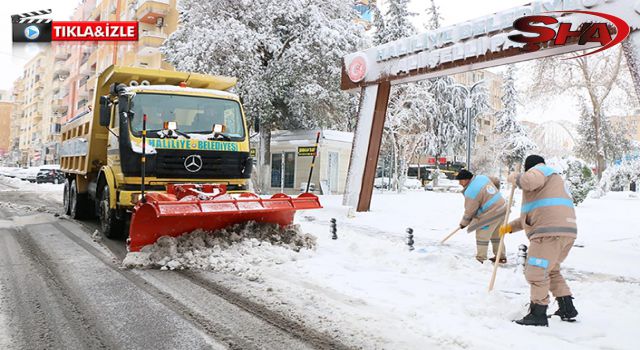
point(164, 153)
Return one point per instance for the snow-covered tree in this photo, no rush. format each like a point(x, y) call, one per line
point(378, 25)
point(611, 142)
point(484, 158)
point(579, 178)
point(447, 131)
point(434, 18)
point(514, 144)
point(602, 81)
point(397, 21)
point(406, 124)
point(405, 100)
point(620, 176)
point(286, 56)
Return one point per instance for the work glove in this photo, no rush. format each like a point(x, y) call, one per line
point(504, 229)
point(512, 178)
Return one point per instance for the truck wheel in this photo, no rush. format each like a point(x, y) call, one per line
point(110, 225)
point(78, 203)
point(65, 197)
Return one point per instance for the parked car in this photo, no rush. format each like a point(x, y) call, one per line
point(412, 184)
point(381, 182)
point(444, 184)
point(55, 176)
point(12, 172)
point(21, 173)
point(31, 173)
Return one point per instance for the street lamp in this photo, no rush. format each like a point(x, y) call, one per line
point(468, 103)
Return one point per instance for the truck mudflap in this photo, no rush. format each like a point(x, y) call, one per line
point(188, 207)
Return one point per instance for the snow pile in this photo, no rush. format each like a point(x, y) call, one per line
point(27, 209)
point(47, 191)
point(240, 249)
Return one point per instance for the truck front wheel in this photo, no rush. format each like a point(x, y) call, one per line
point(110, 225)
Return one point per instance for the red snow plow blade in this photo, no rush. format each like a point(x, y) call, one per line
point(188, 207)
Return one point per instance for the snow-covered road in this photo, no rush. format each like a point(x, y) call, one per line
point(364, 290)
point(60, 288)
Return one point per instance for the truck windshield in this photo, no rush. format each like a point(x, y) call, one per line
point(193, 114)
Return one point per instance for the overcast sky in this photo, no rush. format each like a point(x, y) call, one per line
point(13, 57)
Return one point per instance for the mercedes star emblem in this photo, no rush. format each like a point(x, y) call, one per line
point(193, 163)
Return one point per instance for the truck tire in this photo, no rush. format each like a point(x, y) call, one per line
point(110, 225)
point(65, 197)
point(78, 203)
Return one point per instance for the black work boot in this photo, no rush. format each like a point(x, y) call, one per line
point(537, 316)
point(502, 260)
point(566, 310)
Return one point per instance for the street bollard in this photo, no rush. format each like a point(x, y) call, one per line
point(522, 254)
point(410, 238)
point(334, 229)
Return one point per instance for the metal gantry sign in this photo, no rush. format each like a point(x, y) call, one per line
point(476, 44)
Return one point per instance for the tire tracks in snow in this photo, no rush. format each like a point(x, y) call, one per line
point(307, 335)
point(77, 319)
point(214, 328)
point(315, 338)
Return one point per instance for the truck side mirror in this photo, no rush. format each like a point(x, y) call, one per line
point(256, 124)
point(105, 111)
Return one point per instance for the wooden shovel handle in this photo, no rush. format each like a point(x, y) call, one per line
point(504, 223)
point(450, 235)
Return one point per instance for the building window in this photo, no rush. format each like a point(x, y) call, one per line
point(289, 169)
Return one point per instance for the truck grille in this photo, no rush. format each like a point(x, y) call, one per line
point(215, 164)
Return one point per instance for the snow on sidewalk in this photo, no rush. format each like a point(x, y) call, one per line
point(369, 286)
point(47, 191)
point(368, 289)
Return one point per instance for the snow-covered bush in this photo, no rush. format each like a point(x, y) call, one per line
point(618, 177)
point(579, 178)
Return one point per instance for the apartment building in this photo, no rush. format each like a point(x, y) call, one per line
point(59, 82)
point(631, 123)
point(82, 63)
point(17, 95)
point(30, 110)
point(6, 108)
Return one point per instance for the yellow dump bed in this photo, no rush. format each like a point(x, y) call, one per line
point(84, 141)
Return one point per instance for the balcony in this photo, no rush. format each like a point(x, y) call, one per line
point(149, 42)
point(60, 69)
point(38, 85)
point(62, 55)
point(91, 83)
point(148, 11)
point(93, 57)
point(59, 104)
point(83, 92)
point(86, 69)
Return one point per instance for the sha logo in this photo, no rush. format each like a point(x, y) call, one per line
point(544, 29)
